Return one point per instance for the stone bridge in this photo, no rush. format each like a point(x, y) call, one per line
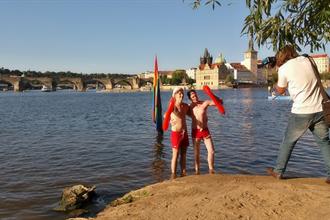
point(14, 80)
point(79, 83)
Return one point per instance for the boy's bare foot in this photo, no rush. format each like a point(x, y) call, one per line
point(197, 172)
point(327, 180)
point(271, 172)
point(211, 171)
point(173, 176)
point(183, 173)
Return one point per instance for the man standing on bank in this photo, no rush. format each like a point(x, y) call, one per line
point(200, 131)
point(296, 74)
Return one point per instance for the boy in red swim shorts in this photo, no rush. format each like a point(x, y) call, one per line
point(179, 135)
point(200, 131)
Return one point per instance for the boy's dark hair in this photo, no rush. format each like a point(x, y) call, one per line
point(190, 91)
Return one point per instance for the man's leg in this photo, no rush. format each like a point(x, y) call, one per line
point(197, 143)
point(174, 162)
point(210, 153)
point(321, 134)
point(183, 152)
point(297, 126)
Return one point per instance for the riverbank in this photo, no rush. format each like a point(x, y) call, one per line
point(225, 197)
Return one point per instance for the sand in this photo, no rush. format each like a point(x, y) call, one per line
point(225, 197)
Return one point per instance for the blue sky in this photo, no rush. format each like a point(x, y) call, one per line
point(117, 36)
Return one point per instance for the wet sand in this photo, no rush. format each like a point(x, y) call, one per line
point(225, 197)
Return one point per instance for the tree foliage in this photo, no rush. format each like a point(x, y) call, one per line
point(279, 22)
point(178, 76)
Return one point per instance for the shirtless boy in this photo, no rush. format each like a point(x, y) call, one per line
point(179, 135)
point(200, 130)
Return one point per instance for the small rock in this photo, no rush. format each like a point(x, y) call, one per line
point(74, 197)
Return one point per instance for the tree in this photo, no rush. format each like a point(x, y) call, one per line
point(190, 81)
point(164, 80)
point(178, 76)
point(229, 79)
point(278, 22)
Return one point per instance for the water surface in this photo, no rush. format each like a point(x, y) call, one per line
point(49, 141)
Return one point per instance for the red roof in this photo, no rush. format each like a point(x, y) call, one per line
point(239, 67)
point(319, 55)
point(202, 66)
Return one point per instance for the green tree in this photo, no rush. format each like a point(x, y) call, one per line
point(190, 81)
point(278, 22)
point(178, 76)
point(165, 80)
point(229, 79)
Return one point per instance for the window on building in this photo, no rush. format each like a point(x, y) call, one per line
point(206, 77)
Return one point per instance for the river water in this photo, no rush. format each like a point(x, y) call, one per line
point(49, 141)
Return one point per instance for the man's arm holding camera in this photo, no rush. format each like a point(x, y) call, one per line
point(280, 90)
point(282, 83)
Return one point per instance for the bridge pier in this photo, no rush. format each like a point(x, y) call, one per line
point(18, 86)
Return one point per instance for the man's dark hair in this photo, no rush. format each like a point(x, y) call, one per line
point(189, 92)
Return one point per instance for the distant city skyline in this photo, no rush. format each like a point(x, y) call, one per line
point(119, 36)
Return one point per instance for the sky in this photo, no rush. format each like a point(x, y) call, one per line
point(118, 36)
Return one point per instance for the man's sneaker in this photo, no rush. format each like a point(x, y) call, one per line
point(270, 171)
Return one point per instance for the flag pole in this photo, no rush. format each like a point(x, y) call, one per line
point(157, 104)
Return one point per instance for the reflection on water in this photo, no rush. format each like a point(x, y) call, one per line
point(159, 163)
point(49, 141)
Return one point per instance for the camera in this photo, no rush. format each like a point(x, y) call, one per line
point(270, 61)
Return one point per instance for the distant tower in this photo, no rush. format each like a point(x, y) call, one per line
point(251, 57)
point(220, 59)
point(207, 58)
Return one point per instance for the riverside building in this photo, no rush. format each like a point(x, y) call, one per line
point(214, 74)
point(322, 62)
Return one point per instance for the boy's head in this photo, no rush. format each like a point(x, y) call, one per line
point(192, 95)
point(177, 90)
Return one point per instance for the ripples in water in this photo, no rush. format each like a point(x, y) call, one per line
point(53, 140)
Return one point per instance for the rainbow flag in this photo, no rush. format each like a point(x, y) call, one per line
point(157, 104)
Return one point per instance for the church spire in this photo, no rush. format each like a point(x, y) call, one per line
point(207, 58)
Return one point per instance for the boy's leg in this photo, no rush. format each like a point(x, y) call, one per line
point(183, 153)
point(210, 153)
point(197, 143)
point(174, 162)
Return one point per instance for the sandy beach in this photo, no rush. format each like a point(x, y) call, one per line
point(225, 197)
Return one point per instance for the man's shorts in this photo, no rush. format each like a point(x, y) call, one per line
point(197, 133)
point(179, 139)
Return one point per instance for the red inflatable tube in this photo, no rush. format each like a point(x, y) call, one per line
point(167, 117)
point(216, 100)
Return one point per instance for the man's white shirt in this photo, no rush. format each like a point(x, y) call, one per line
point(297, 74)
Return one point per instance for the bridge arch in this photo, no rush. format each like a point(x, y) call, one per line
point(13, 80)
point(106, 82)
point(45, 81)
point(78, 83)
point(118, 82)
point(8, 83)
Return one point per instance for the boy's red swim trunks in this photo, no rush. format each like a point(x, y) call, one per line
point(179, 139)
point(200, 134)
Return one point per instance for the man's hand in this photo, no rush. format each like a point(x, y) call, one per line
point(280, 90)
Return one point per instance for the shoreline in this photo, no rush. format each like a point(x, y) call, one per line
point(224, 196)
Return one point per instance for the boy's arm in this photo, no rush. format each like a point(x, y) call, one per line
point(189, 111)
point(211, 103)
